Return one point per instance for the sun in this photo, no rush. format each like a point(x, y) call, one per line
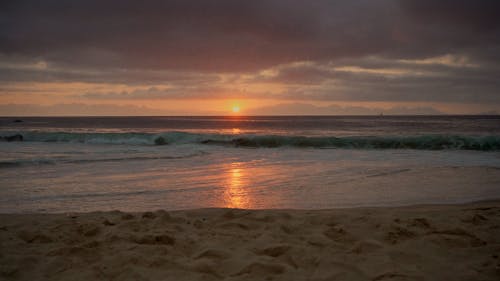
point(236, 108)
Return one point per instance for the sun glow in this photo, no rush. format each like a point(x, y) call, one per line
point(236, 108)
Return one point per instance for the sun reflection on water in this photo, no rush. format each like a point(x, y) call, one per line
point(236, 195)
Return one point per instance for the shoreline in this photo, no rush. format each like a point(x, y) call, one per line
point(495, 201)
point(420, 242)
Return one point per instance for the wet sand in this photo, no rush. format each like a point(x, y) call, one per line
point(450, 242)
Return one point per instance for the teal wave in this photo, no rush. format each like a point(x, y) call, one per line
point(424, 142)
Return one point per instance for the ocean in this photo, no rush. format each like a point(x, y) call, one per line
point(82, 164)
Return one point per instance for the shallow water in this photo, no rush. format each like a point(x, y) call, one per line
point(89, 174)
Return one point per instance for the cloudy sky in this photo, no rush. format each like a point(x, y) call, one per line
point(267, 57)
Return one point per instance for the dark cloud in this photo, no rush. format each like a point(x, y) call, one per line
point(110, 76)
point(366, 87)
point(176, 93)
point(240, 35)
point(465, 14)
point(301, 73)
point(80, 109)
point(310, 109)
point(358, 50)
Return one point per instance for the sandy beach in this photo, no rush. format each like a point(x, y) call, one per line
point(267, 140)
point(454, 242)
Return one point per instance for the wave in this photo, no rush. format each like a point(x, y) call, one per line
point(18, 163)
point(428, 142)
point(45, 161)
point(424, 142)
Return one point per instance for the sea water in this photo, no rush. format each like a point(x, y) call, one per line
point(70, 164)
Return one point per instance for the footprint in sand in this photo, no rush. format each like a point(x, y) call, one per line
point(339, 234)
point(455, 238)
point(88, 230)
point(261, 269)
point(212, 254)
point(34, 237)
point(161, 239)
point(366, 246)
point(399, 234)
point(273, 251)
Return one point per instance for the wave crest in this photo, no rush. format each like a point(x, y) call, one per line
point(424, 142)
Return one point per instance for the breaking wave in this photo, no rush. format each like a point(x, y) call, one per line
point(424, 142)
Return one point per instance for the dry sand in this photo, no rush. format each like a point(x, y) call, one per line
point(459, 242)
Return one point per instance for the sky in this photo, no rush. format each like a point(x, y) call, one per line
point(262, 57)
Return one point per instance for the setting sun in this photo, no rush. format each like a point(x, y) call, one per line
point(236, 108)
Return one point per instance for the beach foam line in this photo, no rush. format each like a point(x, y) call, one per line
point(14, 163)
